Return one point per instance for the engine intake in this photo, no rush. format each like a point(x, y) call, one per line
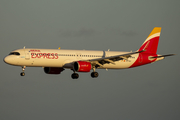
point(82, 66)
point(53, 70)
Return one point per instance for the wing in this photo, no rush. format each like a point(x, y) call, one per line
point(106, 60)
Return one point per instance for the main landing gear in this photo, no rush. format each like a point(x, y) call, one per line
point(23, 69)
point(74, 75)
point(93, 74)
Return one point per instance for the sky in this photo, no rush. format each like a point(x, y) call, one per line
point(149, 92)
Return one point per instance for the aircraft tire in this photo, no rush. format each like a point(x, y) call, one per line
point(22, 74)
point(94, 74)
point(75, 76)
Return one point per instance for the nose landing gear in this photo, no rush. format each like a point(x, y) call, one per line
point(23, 69)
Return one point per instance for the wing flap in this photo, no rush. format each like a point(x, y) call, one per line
point(107, 60)
point(117, 57)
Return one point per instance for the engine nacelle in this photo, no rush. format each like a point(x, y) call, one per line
point(82, 66)
point(53, 70)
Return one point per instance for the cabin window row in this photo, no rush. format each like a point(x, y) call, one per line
point(67, 55)
point(44, 54)
point(79, 55)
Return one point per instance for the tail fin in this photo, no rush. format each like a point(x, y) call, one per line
point(150, 45)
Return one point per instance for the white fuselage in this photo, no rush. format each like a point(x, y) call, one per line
point(65, 58)
point(55, 60)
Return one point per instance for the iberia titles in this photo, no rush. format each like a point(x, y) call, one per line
point(38, 54)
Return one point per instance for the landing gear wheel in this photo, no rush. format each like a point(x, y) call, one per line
point(22, 74)
point(94, 74)
point(75, 76)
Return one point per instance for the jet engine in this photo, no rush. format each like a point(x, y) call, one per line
point(53, 70)
point(82, 66)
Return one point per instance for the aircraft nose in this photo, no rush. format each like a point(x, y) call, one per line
point(7, 59)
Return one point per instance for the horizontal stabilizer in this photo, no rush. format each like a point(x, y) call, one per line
point(163, 56)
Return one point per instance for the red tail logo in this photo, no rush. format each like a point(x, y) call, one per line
point(150, 46)
point(151, 43)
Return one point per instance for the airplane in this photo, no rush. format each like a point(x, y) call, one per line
point(54, 61)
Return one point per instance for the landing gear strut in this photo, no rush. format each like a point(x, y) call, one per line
point(23, 69)
point(94, 74)
point(74, 75)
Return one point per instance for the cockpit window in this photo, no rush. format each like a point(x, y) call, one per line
point(14, 53)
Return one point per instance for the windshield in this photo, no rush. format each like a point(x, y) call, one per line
point(14, 53)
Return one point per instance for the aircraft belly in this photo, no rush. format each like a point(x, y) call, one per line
point(42, 63)
point(47, 63)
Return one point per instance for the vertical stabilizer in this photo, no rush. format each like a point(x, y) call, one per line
point(150, 45)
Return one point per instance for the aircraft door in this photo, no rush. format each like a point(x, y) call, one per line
point(27, 54)
point(78, 55)
point(106, 53)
